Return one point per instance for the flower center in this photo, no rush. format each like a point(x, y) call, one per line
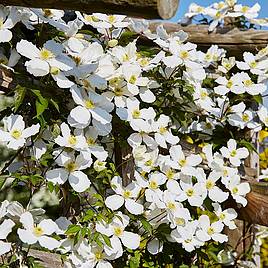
point(118, 231)
point(71, 166)
point(136, 113)
point(126, 57)
point(182, 162)
point(72, 140)
point(170, 174)
point(144, 62)
point(98, 255)
point(245, 117)
point(111, 18)
point(38, 231)
point(90, 141)
point(184, 54)
point(46, 54)
point(253, 64)
point(77, 60)
point(127, 194)
point(222, 216)
point(248, 83)
point(54, 70)
point(171, 205)
point(235, 190)
point(180, 221)
point(203, 95)
point(118, 91)
point(89, 104)
point(153, 185)
point(190, 192)
point(210, 184)
point(244, 9)
point(162, 130)
point(229, 84)
point(233, 153)
point(132, 79)
point(148, 163)
point(210, 231)
point(47, 12)
point(16, 134)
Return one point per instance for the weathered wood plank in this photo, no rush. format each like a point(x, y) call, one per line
point(149, 9)
point(235, 41)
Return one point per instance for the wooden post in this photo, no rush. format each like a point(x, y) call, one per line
point(149, 9)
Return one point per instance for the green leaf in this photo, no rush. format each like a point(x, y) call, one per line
point(41, 103)
point(106, 240)
point(20, 93)
point(73, 229)
point(147, 226)
point(55, 104)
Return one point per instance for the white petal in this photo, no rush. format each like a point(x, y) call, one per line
point(155, 246)
point(133, 207)
point(130, 240)
point(37, 67)
point(48, 226)
point(5, 35)
point(114, 202)
point(80, 116)
point(5, 228)
point(79, 181)
point(4, 247)
point(48, 242)
point(57, 175)
point(27, 49)
point(27, 236)
point(27, 220)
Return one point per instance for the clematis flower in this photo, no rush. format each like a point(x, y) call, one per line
point(8, 18)
point(127, 195)
point(238, 190)
point(16, 134)
point(186, 236)
point(233, 154)
point(185, 164)
point(163, 134)
point(5, 228)
point(75, 141)
point(116, 230)
point(226, 216)
point(209, 230)
point(90, 105)
point(45, 60)
point(71, 170)
point(33, 233)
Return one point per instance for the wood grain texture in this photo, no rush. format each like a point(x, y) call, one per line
point(235, 41)
point(149, 9)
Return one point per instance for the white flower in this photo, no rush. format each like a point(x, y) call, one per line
point(186, 236)
point(116, 230)
point(45, 60)
point(75, 141)
point(71, 171)
point(202, 98)
point(16, 134)
point(233, 154)
point(247, 85)
point(226, 64)
point(244, 119)
point(186, 190)
point(181, 218)
point(209, 230)
point(5, 228)
point(248, 12)
point(8, 18)
point(132, 75)
point(127, 195)
point(33, 233)
point(228, 85)
point(185, 164)
point(252, 64)
point(214, 192)
point(263, 115)
point(238, 190)
point(163, 134)
point(99, 165)
point(91, 105)
point(226, 216)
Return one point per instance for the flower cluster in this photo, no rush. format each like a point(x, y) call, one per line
point(143, 146)
point(216, 14)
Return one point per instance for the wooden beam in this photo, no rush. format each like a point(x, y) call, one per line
point(235, 41)
point(149, 9)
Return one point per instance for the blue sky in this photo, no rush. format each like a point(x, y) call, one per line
point(184, 4)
